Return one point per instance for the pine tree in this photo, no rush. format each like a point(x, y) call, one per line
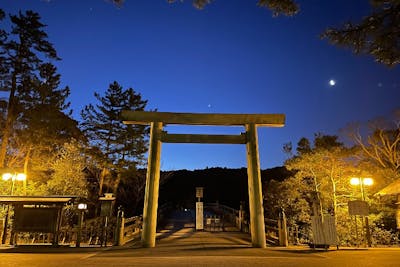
point(44, 122)
point(121, 146)
point(23, 51)
point(3, 71)
point(377, 34)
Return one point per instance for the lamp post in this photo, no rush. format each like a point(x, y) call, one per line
point(106, 211)
point(364, 181)
point(82, 208)
point(13, 177)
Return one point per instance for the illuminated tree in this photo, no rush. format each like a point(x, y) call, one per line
point(23, 51)
point(67, 176)
point(326, 173)
point(303, 146)
point(45, 122)
point(380, 142)
point(291, 195)
point(321, 175)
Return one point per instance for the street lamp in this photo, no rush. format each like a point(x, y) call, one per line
point(361, 181)
point(13, 177)
point(364, 181)
point(82, 208)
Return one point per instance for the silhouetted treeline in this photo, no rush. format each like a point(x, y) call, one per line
point(227, 186)
point(178, 188)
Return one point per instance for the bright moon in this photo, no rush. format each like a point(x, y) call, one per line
point(332, 82)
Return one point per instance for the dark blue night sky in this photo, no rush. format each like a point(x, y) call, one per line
point(231, 57)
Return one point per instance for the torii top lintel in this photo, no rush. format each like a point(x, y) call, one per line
point(146, 117)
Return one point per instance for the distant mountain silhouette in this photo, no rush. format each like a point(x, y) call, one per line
point(227, 186)
point(178, 188)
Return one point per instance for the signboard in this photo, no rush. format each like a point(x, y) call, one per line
point(199, 192)
point(36, 219)
point(106, 208)
point(106, 204)
point(199, 216)
point(358, 207)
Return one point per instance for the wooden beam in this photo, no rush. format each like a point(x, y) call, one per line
point(203, 138)
point(146, 117)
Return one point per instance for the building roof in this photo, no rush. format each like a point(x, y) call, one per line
point(36, 199)
point(391, 189)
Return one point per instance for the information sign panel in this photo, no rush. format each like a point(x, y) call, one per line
point(358, 207)
point(199, 192)
point(36, 219)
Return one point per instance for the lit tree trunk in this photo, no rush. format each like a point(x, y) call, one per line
point(101, 182)
point(27, 159)
point(26, 163)
point(317, 192)
point(116, 183)
point(334, 197)
point(9, 122)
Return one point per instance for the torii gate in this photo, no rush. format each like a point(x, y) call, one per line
point(159, 119)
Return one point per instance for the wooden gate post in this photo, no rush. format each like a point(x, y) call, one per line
point(152, 187)
point(257, 225)
point(282, 228)
point(120, 228)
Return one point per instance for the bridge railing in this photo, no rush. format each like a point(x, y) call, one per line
point(95, 231)
point(275, 230)
point(225, 217)
point(127, 229)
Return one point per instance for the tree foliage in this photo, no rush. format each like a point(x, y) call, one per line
point(36, 119)
point(320, 185)
point(278, 7)
point(380, 141)
point(37, 128)
point(377, 34)
point(67, 176)
point(23, 51)
point(291, 195)
point(104, 129)
point(45, 120)
point(326, 172)
point(120, 146)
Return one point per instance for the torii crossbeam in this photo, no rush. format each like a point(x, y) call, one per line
point(157, 120)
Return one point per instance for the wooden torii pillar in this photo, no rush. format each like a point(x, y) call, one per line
point(157, 120)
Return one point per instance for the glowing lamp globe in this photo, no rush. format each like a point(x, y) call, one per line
point(355, 181)
point(368, 181)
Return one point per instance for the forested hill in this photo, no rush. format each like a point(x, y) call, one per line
point(227, 186)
